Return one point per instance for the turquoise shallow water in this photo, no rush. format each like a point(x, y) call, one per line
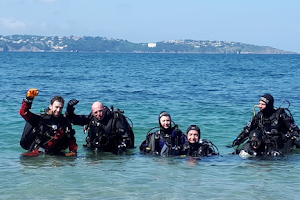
point(216, 92)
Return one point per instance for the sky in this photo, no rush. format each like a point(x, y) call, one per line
point(273, 23)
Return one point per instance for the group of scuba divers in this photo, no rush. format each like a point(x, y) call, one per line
point(270, 132)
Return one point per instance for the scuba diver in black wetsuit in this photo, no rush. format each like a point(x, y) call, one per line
point(197, 147)
point(279, 129)
point(50, 131)
point(108, 130)
point(258, 145)
point(171, 136)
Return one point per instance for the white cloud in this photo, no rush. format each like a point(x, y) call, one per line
point(12, 23)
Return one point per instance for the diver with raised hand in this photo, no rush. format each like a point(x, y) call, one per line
point(167, 135)
point(50, 131)
point(279, 130)
point(108, 130)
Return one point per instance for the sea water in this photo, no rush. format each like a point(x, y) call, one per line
point(215, 92)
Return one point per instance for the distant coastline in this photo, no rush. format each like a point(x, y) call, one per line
point(34, 43)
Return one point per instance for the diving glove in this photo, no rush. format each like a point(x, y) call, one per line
point(33, 92)
point(236, 142)
point(71, 104)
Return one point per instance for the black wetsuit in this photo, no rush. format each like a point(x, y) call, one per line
point(111, 134)
point(276, 125)
point(156, 140)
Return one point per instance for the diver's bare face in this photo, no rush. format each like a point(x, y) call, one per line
point(193, 136)
point(56, 108)
point(262, 105)
point(165, 122)
point(98, 111)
